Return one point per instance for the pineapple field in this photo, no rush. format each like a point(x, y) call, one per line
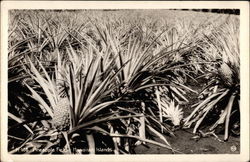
point(123, 82)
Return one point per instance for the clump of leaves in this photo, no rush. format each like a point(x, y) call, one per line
point(223, 100)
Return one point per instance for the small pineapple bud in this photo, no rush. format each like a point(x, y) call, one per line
point(173, 113)
point(61, 118)
point(226, 74)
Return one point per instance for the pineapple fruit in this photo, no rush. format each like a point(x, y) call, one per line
point(61, 117)
point(226, 74)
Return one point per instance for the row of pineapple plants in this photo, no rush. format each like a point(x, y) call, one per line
point(112, 82)
point(222, 92)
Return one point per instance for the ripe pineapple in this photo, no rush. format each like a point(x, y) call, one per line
point(226, 74)
point(61, 118)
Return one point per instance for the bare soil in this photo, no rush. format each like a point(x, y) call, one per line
point(184, 143)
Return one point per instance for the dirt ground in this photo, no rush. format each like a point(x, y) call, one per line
point(184, 143)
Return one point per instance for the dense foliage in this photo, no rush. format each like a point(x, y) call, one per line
point(83, 80)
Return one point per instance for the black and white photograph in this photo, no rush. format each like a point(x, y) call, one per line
point(125, 81)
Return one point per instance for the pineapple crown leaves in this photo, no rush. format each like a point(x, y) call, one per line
point(172, 112)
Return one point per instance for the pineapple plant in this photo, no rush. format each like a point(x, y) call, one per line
point(172, 112)
point(169, 111)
